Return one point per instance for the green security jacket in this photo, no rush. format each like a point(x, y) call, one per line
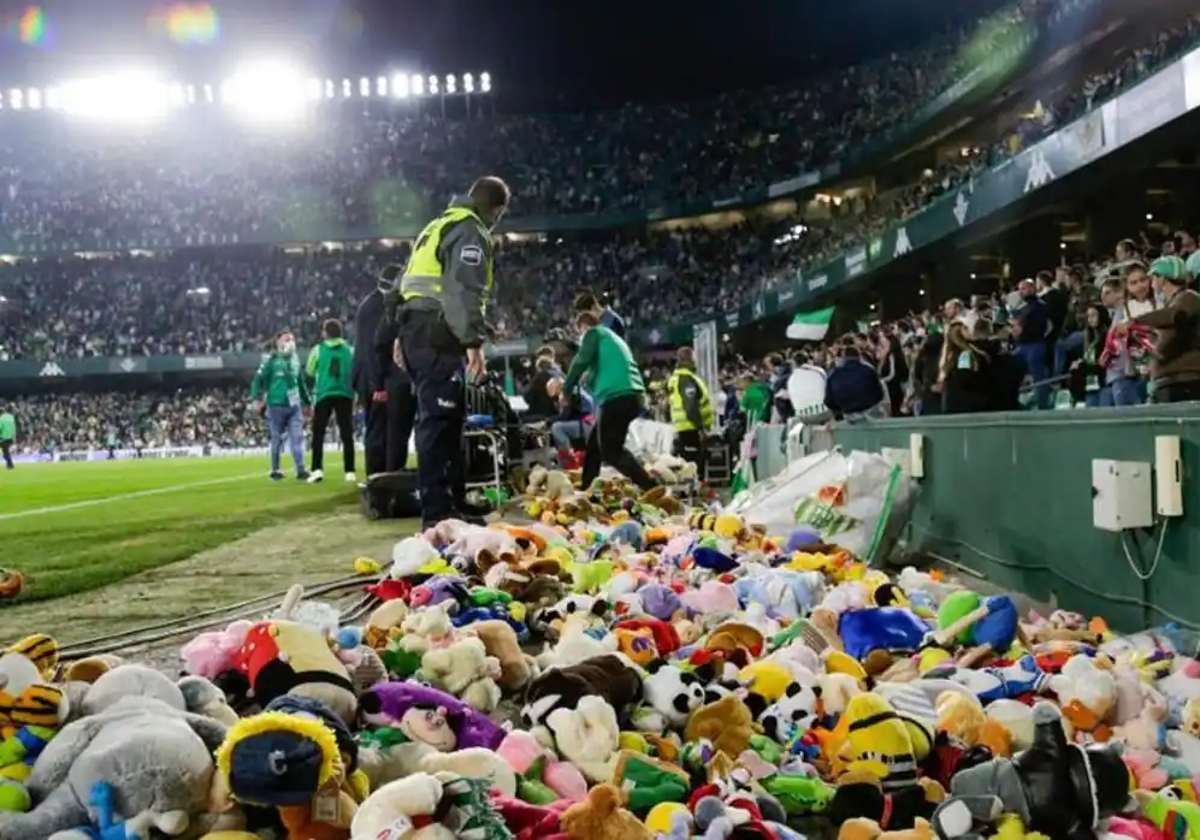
point(8, 427)
point(605, 356)
point(331, 364)
point(279, 376)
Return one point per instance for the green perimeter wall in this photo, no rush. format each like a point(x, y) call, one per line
point(1009, 495)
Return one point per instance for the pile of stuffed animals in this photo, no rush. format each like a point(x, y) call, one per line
point(616, 667)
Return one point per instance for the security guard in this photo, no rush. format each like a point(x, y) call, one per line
point(384, 390)
point(439, 317)
point(691, 409)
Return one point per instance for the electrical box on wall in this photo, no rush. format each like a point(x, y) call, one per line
point(1122, 495)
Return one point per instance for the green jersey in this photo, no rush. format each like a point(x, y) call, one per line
point(606, 359)
point(8, 427)
point(279, 379)
point(756, 402)
point(331, 365)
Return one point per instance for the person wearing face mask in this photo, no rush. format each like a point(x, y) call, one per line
point(437, 317)
point(279, 391)
point(384, 390)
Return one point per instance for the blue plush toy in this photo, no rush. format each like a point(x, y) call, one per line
point(881, 628)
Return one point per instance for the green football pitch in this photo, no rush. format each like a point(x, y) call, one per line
point(73, 527)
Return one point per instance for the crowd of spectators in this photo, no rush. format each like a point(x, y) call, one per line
point(377, 165)
point(184, 417)
point(219, 299)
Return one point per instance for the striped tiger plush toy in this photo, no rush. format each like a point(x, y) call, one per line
point(32, 708)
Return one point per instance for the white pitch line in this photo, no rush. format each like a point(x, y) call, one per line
point(120, 497)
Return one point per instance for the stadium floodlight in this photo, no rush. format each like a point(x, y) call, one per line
point(329, 90)
point(125, 97)
point(53, 98)
point(315, 89)
point(433, 85)
point(265, 91)
point(208, 93)
point(346, 89)
point(469, 83)
point(16, 99)
point(191, 94)
point(364, 86)
point(451, 84)
point(381, 86)
point(400, 86)
point(34, 97)
point(485, 82)
point(176, 96)
point(418, 85)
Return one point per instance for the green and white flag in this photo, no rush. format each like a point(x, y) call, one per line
point(810, 326)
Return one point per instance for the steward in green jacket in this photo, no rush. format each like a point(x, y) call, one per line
point(619, 394)
point(331, 365)
point(282, 395)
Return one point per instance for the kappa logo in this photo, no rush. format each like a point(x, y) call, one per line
point(1040, 172)
point(903, 246)
point(962, 206)
point(128, 365)
point(52, 369)
point(446, 403)
point(655, 336)
point(471, 254)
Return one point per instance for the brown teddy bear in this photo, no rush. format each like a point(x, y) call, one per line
point(727, 723)
point(602, 816)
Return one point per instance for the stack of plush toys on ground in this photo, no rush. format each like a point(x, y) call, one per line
point(614, 670)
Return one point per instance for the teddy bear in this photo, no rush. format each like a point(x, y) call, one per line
point(587, 735)
point(500, 641)
point(402, 810)
point(1087, 694)
point(465, 670)
point(727, 723)
point(602, 816)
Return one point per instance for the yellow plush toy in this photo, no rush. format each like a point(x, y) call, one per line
point(879, 741)
point(766, 678)
point(961, 717)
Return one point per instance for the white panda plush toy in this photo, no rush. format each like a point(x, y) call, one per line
point(669, 696)
point(792, 714)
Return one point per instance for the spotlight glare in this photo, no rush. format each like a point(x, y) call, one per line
point(400, 86)
point(485, 82)
point(418, 85)
point(265, 91)
point(451, 84)
point(469, 83)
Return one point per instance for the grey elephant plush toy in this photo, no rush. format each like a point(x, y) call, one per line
point(152, 759)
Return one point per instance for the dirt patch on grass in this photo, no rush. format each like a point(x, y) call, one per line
point(306, 551)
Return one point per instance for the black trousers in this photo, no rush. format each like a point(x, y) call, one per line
point(1176, 393)
point(434, 361)
point(6, 449)
point(390, 426)
point(606, 442)
point(401, 419)
point(689, 445)
point(342, 408)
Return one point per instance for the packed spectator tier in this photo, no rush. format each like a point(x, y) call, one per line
point(380, 165)
point(64, 181)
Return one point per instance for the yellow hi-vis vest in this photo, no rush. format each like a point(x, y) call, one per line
point(679, 418)
point(422, 275)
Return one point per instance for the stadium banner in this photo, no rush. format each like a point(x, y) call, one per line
point(63, 368)
point(1160, 99)
point(154, 453)
point(705, 346)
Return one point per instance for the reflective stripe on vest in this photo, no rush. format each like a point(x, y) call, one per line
point(679, 418)
point(422, 275)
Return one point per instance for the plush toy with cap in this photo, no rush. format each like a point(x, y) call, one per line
point(300, 758)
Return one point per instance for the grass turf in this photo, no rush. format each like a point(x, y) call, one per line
point(73, 527)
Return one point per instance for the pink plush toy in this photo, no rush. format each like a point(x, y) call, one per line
point(712, 597)
point(212, 653)
point(521, 749)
